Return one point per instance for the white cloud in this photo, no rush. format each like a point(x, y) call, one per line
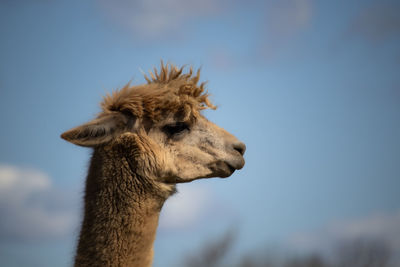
point(30, 206)
point(157, 18)
point(17, 184)
point(385, 227)
point(186, 207)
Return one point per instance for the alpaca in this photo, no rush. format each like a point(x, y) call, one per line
point(146, 139)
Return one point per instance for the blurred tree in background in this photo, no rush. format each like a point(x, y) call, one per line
point(351, 253)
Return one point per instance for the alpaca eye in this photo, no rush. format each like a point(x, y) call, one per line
point(176, 128)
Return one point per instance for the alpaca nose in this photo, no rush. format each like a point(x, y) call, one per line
point(239, 147)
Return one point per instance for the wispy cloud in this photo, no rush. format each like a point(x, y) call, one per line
point(277, 25)
point(186, 207)
point(286, 18)
point(377, 22)
point(385, 227)
point(157, 18)
point(283, 21)
point(30, 206)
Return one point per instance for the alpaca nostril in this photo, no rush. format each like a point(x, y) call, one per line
point(239, 147)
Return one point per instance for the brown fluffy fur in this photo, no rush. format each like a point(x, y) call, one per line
point(121, 208)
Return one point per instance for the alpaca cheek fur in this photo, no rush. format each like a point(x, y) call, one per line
point(151, 160)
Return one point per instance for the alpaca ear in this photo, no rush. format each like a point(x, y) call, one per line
point(98, 131)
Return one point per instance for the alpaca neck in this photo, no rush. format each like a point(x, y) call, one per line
point(121, 214)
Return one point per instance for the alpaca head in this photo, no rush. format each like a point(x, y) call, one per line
point(159, 127)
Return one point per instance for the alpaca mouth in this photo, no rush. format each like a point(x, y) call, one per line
point(225, 169)
point(231, 168)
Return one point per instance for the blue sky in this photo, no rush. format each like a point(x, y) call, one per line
point(311, 87)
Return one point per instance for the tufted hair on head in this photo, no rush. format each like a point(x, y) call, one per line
point(167, 91)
